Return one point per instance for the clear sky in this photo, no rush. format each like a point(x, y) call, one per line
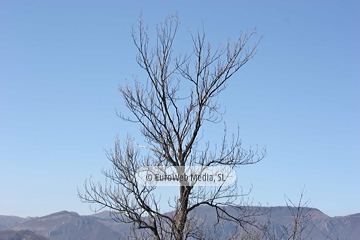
point(61, 63)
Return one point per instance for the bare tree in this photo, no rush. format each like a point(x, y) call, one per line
point(298, 228)
point(171, 107)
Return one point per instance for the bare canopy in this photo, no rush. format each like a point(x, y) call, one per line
point(171, 106)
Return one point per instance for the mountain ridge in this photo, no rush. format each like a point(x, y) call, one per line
point(70, 225)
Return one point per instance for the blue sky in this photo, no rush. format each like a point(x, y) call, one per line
point(62, 62)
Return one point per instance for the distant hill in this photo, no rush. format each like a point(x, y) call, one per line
point(20, 235)
point(7, 222)
point(70, 225)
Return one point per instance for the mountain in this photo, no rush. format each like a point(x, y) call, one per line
point(347, 227)
point(71, 226)
point(321, 226)
point(20, 235)
point(7, 222)
point(105, 218)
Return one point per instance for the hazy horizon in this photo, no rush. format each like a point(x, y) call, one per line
point(104, 210)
